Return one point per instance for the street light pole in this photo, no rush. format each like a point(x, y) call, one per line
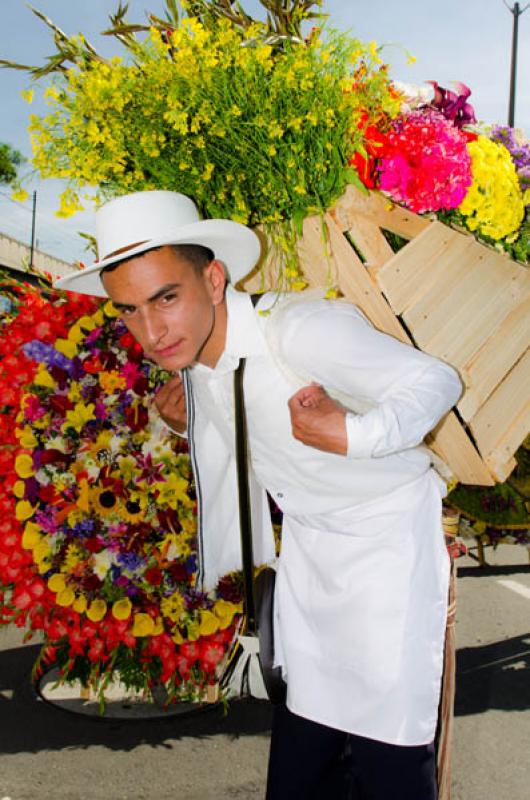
point(516, 11)
point(33, 220)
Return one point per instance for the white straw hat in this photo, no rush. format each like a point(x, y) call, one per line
point(131, 224)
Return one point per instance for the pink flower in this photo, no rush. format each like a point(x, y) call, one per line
point(425, 164)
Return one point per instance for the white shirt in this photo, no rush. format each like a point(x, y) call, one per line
point(342, 513)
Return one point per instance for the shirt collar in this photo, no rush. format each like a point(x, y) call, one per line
point(243, 335)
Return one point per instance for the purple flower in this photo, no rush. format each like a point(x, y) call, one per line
point(130, 561)
point(454, 106)
point(46, 354)
point(519, 151)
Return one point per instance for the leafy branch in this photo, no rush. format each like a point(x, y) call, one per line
point(284, 21)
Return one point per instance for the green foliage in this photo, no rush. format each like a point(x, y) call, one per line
point(10, 160)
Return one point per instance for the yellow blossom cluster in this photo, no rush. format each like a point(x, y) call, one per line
point(494, 204)
point(252, 133)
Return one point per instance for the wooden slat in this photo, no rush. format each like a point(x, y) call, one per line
point(372, 244)
point(378, 210)
point(472, 311)
point(411, 272)
point(501, 470)
point(458, 294)
point(357, 286)
point(504, 347)
point(502, 423)
point(450, 441)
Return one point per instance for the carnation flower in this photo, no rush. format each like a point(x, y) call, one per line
point(424, 163)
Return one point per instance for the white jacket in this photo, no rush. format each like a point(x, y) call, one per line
point(342, 514)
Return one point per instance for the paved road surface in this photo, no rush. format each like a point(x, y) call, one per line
point(47, 754)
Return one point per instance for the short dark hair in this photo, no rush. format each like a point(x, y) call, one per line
point(196, 255)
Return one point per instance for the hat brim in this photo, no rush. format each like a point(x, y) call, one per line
point(237, 246)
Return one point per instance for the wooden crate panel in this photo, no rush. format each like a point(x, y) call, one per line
point(378, 210)
point(503, 421)
point(411, 272)
point(479, 307)
point(450, 441)
point(503, 348)
point(462, 284)
point(449, 295)
point(371, 243)
point(357, 286)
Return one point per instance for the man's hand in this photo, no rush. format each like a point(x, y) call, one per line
point(171, 404)
point(318, 421)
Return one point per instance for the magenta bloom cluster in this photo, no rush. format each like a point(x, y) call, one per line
point(424, 162)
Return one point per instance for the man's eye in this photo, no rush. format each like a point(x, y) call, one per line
point(167, 298)
point(126, 312)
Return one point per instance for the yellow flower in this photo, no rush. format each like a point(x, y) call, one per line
point(96, 610)
point(173, 607)
point(122, 609)
point(80, 604)
point(26, 437)
point(66, 347)
point(41, 554)
point(173, 491)
point(78, 417)
point(83, 495)
point(57, 582)
point(27, 95)
point(72, 558)
point(43, 378)
point(109, 310)
point(111, 381)
point(177, 636)
point(19, 195)
point(31, 536)
point(143, 625)
point(103, 500)
point(159, 626)
point(66, 597)
point(225, 611)
point(24, 510)
point(208, 624)
point(24, 466)
point(19, 489)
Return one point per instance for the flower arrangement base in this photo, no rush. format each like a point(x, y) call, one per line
point(447, 294)
point(120, 702)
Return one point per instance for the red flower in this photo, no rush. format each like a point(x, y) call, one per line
point(154, 576)
point(211, 654)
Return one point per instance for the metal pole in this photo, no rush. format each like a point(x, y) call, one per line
point(513, 71)
point(516, 11)
point(33, 217)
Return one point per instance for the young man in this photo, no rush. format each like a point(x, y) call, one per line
point(363, 573)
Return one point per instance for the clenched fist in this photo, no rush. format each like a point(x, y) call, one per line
point(171, 404)
point(318, 421)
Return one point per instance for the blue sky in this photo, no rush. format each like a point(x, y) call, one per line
point(453, 40)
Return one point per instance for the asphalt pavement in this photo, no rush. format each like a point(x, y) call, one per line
point(50, 754)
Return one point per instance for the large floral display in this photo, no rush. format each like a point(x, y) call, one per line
point(98, 547)
point(263, 123)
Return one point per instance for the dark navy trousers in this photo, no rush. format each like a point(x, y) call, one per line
point(309, 761)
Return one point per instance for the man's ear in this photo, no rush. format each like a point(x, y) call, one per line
point(216, 278)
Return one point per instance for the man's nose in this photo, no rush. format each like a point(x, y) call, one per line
point(155, 328)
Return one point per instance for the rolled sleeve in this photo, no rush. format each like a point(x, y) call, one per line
point(405, 391)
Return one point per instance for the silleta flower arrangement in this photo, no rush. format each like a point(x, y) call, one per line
point(100, 554)
point(264, 125)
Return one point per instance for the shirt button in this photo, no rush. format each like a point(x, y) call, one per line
point(279, 494)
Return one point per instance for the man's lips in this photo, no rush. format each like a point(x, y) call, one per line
point(164, 352)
